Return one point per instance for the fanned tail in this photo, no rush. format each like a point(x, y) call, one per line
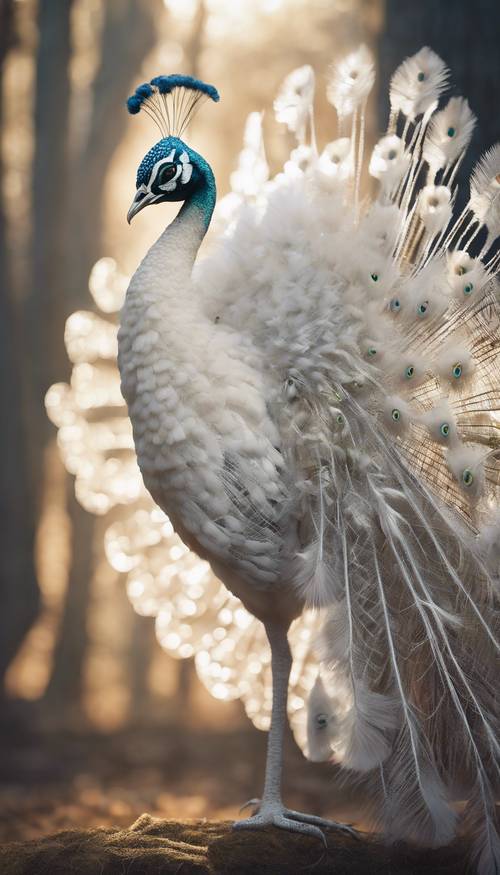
point(414, 641)
point(409, 440)
point(384, 326)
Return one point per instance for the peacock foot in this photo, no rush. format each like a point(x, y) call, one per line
point(276, 814)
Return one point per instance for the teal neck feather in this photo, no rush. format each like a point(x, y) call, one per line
point(204, 196)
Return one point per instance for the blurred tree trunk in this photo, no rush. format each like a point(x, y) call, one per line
point(89, 167)
point(466, 36)
point(63, 696)
point(194, 44)
point(45, 310)
point(130, 24)
point(18, 585)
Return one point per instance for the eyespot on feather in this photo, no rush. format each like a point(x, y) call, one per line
point(466, 464)
point(412, 372)
point(467, 477)
point(455, 365)
point(395, 415)
point(441, 424)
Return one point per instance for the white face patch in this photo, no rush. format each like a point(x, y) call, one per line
point(187, 168)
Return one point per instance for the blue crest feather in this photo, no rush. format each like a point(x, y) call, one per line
point(171, 101)
point(134, 104)
point(165, 84)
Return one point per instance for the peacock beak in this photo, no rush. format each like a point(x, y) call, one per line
point(141, 200)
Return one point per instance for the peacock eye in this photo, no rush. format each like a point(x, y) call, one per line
point(395, 305)
point(340, 419)
point(467, 477)
point(451, 132)
point(421, 76)
point(321, 721)
point(468, 289)
point(445, 429)
point(371, 351)
point(396, 414)
point(374, 277)
point(457, 371)
point(409, 372)
point(422, 308)
point(167, 172)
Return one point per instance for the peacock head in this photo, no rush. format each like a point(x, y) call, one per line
point(170, 171)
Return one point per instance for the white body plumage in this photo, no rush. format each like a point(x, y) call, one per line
point(196, 393)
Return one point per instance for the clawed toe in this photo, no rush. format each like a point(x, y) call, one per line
point(293, 821)
point(321, 822)
point(252, 803)
point(300, 826)
point(259, 820)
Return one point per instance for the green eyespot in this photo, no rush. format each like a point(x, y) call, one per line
point(467, 477)
point(321, 721)
point(422, 308)
point(451, 132)
point(421, 76)
point(409, 372)
point(457, 371)
point(340, 419)
point(468, 289)
point(396, 414)
point(374, 277)
point(371, 351)
point(395, 305)
point(445, 429)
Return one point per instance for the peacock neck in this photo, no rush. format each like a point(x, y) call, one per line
point(165, 272)
point(182, 238)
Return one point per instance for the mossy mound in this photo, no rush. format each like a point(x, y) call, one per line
point(166, 847)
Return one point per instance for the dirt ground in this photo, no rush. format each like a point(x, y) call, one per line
point(75, 802)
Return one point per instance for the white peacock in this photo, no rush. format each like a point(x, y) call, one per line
point(373, 340)
point(195, 614)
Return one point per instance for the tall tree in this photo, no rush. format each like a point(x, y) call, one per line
point(18, 585)
point(128, 34)
point(46, 311)
point(83, 214)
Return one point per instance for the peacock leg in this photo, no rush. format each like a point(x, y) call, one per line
point(270, 809)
